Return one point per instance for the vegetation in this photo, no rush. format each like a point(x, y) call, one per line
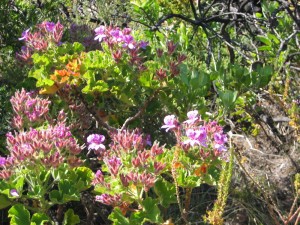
point(149, 112)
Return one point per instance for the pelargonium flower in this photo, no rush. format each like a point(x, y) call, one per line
point(14, 193)
point(50, 26)
point(113, 164)
point(100, 33)
point(196, 137)
point(24, 35)
point(2, 161)
point(192, 117)
point(220, 138)
point(144, 44)
point(220, 148)
point(128, 41)
point(108, 199)
point(171, 122)
point(95, 142)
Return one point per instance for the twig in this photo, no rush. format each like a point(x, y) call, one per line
point(193, 9)
point(92, 109)
point(141, 110)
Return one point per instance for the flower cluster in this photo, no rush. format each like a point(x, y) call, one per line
point(128, 163)
point(48, 147)
point(124, 140)
point(115, 36)
point(194, 132)
point(171, 63)
point(46, 33)
point(28, 109)
point(122, 43)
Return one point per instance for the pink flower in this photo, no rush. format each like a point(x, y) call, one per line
point(24, 35)
point(100, 33)
point(50, 26)
point(95, 142)
point(99, 178)
point(196, 137)
point(108, 199)
point(220, 138)
point(113, 165)
point(14, 193)
point(192, 117)
point(144, 44)
point(170, 122)
point(2, 161)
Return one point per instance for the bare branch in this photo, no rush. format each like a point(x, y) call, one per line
point(193, 9)
point(141, 110)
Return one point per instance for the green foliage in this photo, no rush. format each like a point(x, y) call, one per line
point(70, 218)
point(117, 217)
point(19, 215)
point(166, 193)
point(39, 219)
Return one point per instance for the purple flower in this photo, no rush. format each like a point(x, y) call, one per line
point(95, 142)
point(220, 148)
point(128, 41)
point(196, 137)
point(100, 33)
point(50, 26)
point(144, 44)
point(220, 138)
point(14, 193)
point(24, 35)
point(192, 117)
point(170, 122)
point(2, 161)
point(116, 34)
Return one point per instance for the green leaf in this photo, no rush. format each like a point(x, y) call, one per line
point(151, 210)
point(19, 215)
point(69, 191)
point(117, 217)
point(101, 86)
point(273, 38)
point(77, 47)
point(20, 182)
point(39, 219)
point(4, 202)
point(265, 48)
point(137, 218)
point(145, 79)
point(55, 197)
point(70, 218)
point(228, 98)
point(84, 176)
point(264, 40)
point(184, 74)
point(166, 192)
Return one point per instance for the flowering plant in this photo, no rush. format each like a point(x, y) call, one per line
point(43, 164)
point(130, 169)
point(136, 178)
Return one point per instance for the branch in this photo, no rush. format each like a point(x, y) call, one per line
point(193, 9)
point(141, 110)
point(284, 42)
point(93, 110)
point(173, 15)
